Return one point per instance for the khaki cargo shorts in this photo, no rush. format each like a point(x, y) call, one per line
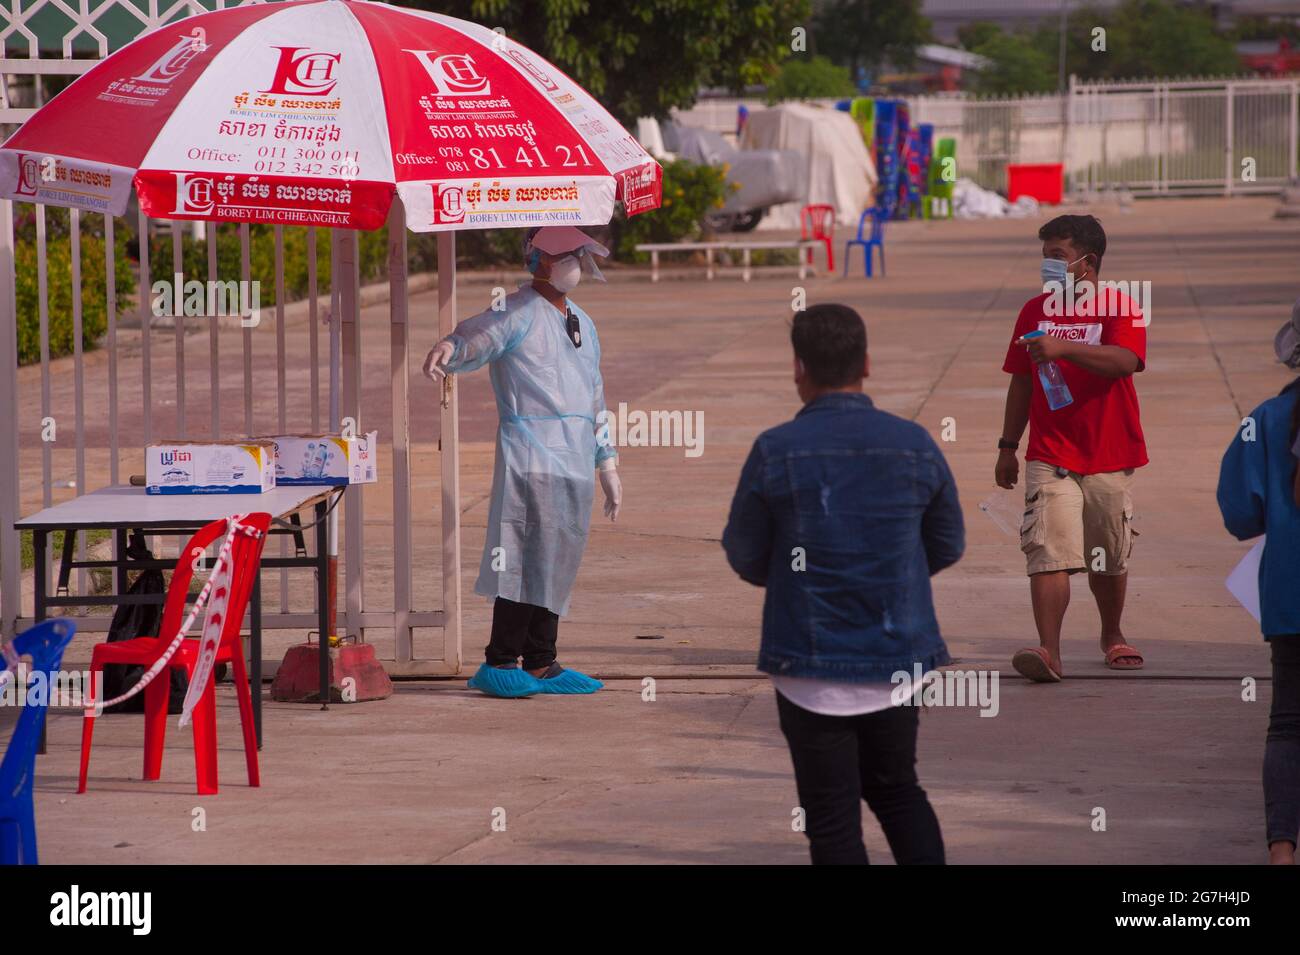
point(1077, 522)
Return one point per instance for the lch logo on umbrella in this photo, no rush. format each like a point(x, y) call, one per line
point(304, 72)
point(454, 74)
point(448, 203)
point(29, 175)
point(172, 63)
point(193, 194)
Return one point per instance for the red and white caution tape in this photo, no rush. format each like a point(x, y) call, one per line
point(218, 587)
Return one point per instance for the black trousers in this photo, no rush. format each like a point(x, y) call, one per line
point(1282, 745)
point(840, 761)
point(522, 630)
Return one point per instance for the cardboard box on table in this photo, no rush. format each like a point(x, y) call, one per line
point(327, 459)
point(209, 467)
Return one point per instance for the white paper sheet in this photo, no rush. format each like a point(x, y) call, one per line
point(1243, 582)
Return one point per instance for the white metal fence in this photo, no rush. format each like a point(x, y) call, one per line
point(1188, 137)
point(96, 431)
point(1184, 137)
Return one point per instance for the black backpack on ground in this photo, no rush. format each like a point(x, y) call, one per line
point(139, 620)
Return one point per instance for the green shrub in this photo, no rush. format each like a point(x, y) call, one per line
point(690, 191)
point(372, 251)
point(475, 249)
point(802, 78)
point(58, 261)
point(478, 248)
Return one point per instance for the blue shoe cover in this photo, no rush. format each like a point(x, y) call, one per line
point(569, 681)
point(505, 683)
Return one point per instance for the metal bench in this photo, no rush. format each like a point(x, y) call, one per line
point(709, 248)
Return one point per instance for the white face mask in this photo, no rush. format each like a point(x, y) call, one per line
point(565, 274)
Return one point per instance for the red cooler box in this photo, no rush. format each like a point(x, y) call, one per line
point(1043, 181)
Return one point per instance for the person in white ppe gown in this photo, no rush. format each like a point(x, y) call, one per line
point(543, 357)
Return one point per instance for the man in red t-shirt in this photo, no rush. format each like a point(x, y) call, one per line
point(1082, 454)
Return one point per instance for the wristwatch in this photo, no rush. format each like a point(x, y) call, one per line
point(1005, 445)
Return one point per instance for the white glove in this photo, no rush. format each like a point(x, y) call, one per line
point(439, 355)
point(613, 489)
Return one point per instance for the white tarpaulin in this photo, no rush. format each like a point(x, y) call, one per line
point(841, 172)
point(969, 201)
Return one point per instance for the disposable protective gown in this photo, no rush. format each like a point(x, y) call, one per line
point(551, 401)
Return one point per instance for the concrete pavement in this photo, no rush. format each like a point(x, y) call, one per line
point(700, 774)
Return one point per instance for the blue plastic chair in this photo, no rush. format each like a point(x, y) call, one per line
point(877, 241)
point(45, 644)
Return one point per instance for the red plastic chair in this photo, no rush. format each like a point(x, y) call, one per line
point(817, 222)
point(245, 556)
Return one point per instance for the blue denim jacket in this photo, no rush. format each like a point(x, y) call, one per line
point(1256, 496)
point(843, 514)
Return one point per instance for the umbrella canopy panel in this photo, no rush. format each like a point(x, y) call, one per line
point(316, 113)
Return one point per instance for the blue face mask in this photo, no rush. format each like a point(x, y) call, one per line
point(1055, 270)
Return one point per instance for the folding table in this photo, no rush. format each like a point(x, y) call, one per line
point(122, 508)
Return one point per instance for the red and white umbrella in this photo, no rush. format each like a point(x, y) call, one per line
point(316, 112)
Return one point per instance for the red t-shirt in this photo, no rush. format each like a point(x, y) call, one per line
point(1102, 430)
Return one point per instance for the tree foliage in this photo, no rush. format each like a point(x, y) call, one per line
point(869, 33)
point(644, 57)
point(1138, 38)
point(803, 77)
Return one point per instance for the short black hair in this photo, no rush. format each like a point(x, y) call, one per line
point(1084, 231)
point(831, 342)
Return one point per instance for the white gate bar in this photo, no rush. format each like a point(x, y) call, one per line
point(336, 359)
point(281, 426)
point(214, 337)
point(349, 282)
point(146, 371)
point(110, 282)
point(178, 327)
point(281, 420)
point(313, 344)
point(1294, 136)
point(245, 276)
point(1229, 118)
point(399, 363)
point(78, 376)
point(10, 550)
point(110, 285)
point(43, 309)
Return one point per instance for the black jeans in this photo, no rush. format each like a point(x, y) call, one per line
point(1282, 745)
point(522, 630)
point(840, 761)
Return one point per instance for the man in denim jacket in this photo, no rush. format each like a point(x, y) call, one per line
point(843, 514)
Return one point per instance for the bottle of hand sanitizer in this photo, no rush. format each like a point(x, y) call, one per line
point(1054, 386)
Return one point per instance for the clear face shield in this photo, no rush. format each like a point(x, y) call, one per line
point(587, 262)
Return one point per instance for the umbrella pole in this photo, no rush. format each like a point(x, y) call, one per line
point(336, 346)
point(449, 446)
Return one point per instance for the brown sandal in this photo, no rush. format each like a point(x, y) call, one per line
point(1034, 663)
point(1120, 651)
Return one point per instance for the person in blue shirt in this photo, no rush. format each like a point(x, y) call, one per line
point(1258, 493)
point(843, 514)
